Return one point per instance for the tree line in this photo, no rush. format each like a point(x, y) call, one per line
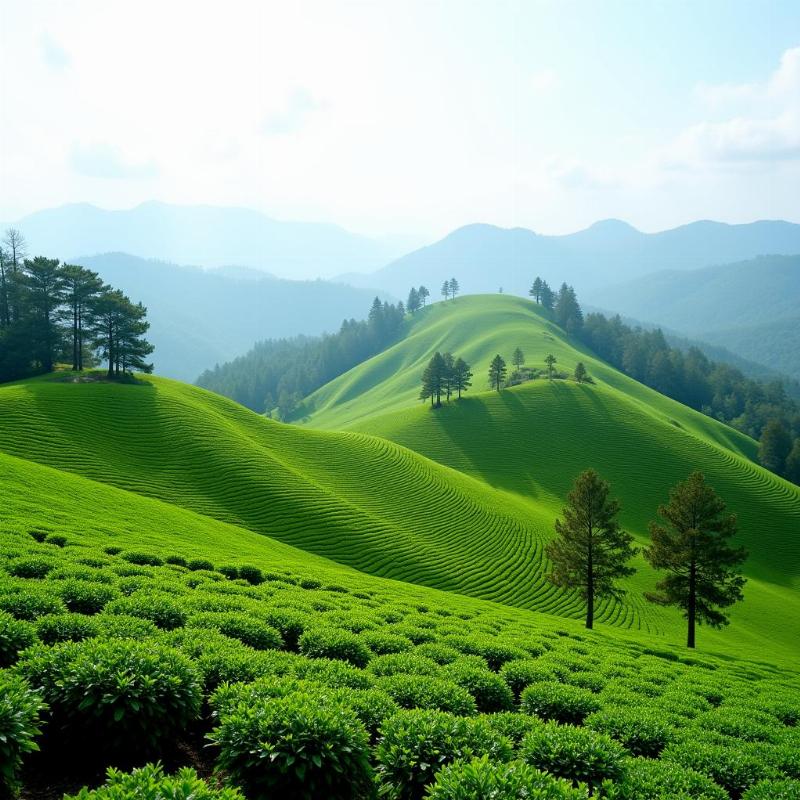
point(277, 374)
point(52, 312)
point(689, 542)
point(763, 411)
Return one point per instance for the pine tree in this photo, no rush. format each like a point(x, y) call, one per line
point(454, 287)
point(448, 375)
point(536, 290)
point(517, 358)
point(80, 286)
point(5, 283)
point(591, 551)
point(568, 313)
point(550, 360)
point(462, 377)
point(433, 380)
point(413, 301)
point(792, 468)
point(44, 284)
point(497, 372)
point(691, 545)
point(424, 294)
point(445, 290)
point(547, 296)
point(581, 375)
point(775, 446)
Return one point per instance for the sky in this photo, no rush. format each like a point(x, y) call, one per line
point(406, 118)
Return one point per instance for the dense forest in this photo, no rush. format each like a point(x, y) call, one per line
point(52, 312)
point(277, 374)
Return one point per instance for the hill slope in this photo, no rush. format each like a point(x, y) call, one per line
point(205, 235)
point(199, 318)
point(484, 257)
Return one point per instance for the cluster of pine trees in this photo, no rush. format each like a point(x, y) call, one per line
point(444, 376)
point(563, 304)
point(52, 312)
point(779, 448)
point(277, 374)
point(689, 542)
point(417, 299)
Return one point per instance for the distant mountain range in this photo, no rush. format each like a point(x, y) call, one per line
point(485, 258)
point(202, 317)
point(751, 307)
point(206, 236)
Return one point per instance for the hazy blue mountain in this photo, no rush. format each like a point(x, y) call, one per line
point(750, 307)
point(484, 257)
point(202, 317)
point(207, 236)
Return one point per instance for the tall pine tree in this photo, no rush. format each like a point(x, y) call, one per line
point(497, 372)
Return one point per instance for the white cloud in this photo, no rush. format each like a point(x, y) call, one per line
point(102, 160)
point(54, 55)
point(294, 114)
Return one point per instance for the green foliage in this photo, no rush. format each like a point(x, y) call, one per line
point(247, 629)
point(403, 664)
point(642, 731)
point(120, 695)
point(15, 635)
point(150, 783)
point(196, 564)
point(30, 603)
point(66, 628)
point(20, 710)
point(334, 643)
point(31, 567)
point(661, 780)
point(774, 790)
point(85, 597)
point(557, 701)
point(426, 692)
point(143, 559)
point(294, 746)
point(577, 754)
point(160, 609)
point(414, 745)
point(490, 691)
point(481, 779)
point(521, 673)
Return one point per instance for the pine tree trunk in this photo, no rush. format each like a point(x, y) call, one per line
point(691, 611)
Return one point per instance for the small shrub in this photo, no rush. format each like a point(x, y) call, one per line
point(577, 754)
point(176, 561)
point(310, 583)
point(440, 653)
point(115, 694)
point(295, 747)
point(414, 745)
point(143, 559)
point(556, 701)
point(65, 628)
point(112, 550)
point(514, 725)
point(403, 664)
point(334, 643)
point(382, 643)
point(423, 691)
point(20, 708)
point(774, 790)
point(160, 609)
point(15, 636)
point(33, 567)
point(494, 651)
point(56, 539)
point(521, 673)
point(335, 674)
point(481, 779)
point(490, 691)
point(37, 535)
point(246, 629)
point(230, 571)
point(661, 780)
point(641, 732)
point(196, 564)
point(85, 597)
point(150, 783)
point(252, 575)
point(290, 624)
point(31, 603)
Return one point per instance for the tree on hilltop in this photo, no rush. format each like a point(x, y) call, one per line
point(462, 377)
point(413, 301)
point(497, 372)
point(690, 543)
point(433, 380)
point(43, 281)
point(454, 287)
point(567, 311)
point(517, 358)
point(591, 551)
point(448, 374)
point(550, 360)
point(80, 287)
point(445, 290)
point(536, 290)
point(547, 296)
point(423, 294)
point(581, 375)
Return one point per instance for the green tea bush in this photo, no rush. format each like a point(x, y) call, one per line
point(196, 564)
point(112, 550)
point(117, 694)
point(403, 664)
point(523, 672)
point(246, 629)
point(774, 790)
point(481, 779)
point(334, 643)
point(150, 783)
point(143, 559)
point(740, 722)
point(124, 626)
point(735, 768)
point(20, 710)
point(32, 567)
point(290, 624)
point(252, 575)
point(56, 539)
point(489, 690)
point(295, 747)
point(332, 673)
point(382, 643)
point(577, 754)
point(440, 653)
point(493, 650)
point(783, 707)
point(423, 691)
point(585, 680)
point(15, 636)
point(414, 745)
point(560, 702)
point(159, 608)
point(176, 561)
point(31, 603)
point(641, 731)
point(648, 779)
point(514, 725)
point(56, 628)
point(230, 571)
point(85, 597)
